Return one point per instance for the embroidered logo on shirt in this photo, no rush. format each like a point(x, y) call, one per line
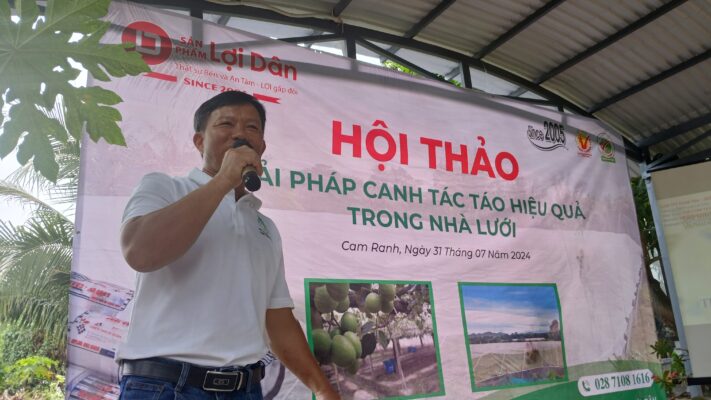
point(263, 228)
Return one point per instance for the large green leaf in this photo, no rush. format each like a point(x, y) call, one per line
point(80, 16)
point(39, 128)
point(35, 74)
point(101, 120)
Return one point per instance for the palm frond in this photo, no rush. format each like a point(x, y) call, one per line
point(36, 297)
point(48, 234)
point(42, 308)
point(64, 191)
point(35, 260)
point(10, 192)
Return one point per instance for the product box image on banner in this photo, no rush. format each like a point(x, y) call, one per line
point(85, 384)
point(103, 293)
point(97, 333)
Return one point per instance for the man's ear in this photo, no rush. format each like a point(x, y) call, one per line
point(198, 142)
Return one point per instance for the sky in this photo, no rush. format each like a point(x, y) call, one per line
point(509, 308)
point(11, 211)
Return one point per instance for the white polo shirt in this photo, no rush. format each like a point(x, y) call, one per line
point(208, 307)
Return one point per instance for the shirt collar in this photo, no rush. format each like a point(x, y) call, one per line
point(201, 178)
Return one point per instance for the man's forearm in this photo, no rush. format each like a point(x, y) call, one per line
point(289, 344)
point(151, 241)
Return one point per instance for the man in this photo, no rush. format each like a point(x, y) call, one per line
point(210, 276)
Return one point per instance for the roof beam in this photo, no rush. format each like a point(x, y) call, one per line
point(651, 81)
point(314, 32)
point(702, 155)
point(196, 12)
point(331, 26)
point(386, 54)
point(454, 72)
point(223, 19)
point(518, 92)
point(471, 61)
point(617, 36)
point(631, 150)
point(466, 74)
point(351, 47)
point(313, 38)
point(525, 23)
point(538, 102)
point(681, 148)
point(427, 19)
point(675, 130)
point(366, 33)
point(338, 8)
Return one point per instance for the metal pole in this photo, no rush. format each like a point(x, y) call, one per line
point(666, 265)
point(466, 74)
point(196, 24)
point(350, 46)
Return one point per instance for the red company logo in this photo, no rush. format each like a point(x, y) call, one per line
point(150, 40)
point(156, 47)
point(584, 144)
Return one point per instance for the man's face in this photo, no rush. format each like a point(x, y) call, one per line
point(224, 126)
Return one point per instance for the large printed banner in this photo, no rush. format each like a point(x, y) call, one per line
point(438, 242)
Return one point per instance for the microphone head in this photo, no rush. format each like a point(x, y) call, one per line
point(249, 177)
point(252, 181)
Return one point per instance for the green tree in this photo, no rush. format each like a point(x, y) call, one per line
point(661, 304)
point(35, 258)
point(35, 76)
point(399, 67)
point(33, 377)
point(645, 220)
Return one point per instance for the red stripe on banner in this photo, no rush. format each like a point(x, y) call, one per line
point(165, 77)
point(267, 98)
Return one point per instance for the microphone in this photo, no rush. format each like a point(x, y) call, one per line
point(249, 173)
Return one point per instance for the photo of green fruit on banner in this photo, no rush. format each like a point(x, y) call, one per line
point(375, 340)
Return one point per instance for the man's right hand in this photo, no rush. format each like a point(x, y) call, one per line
point(235, 161)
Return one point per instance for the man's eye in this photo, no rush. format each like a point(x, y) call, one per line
point(225, 123)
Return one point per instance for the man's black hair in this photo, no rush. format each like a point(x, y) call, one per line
point(229, 98)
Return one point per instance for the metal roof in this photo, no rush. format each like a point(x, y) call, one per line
point(641, 66)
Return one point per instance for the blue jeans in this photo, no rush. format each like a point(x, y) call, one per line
point(140, 388)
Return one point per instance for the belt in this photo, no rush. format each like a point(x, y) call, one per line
point(213, 380)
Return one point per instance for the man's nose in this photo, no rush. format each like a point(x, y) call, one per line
point(237, 133)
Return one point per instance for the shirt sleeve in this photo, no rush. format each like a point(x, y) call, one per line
point(280, 298)
point(154, 191)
